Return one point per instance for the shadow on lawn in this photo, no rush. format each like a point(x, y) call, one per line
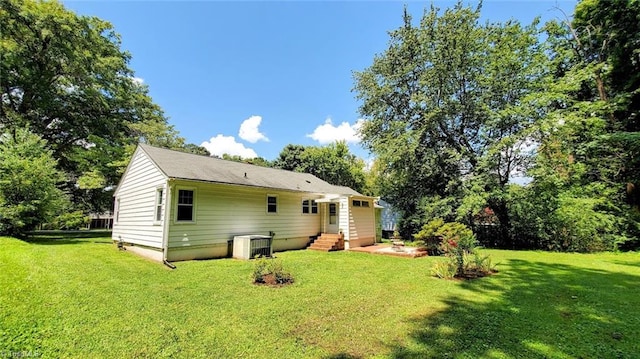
point(69, 237)
point(535, 310)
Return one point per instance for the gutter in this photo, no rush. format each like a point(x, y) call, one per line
point(165, 225)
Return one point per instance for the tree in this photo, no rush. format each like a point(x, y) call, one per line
point(449, 111)
point(588, 144)
point(28, 178)
point(290, 157)
point(258, 161)
point(65, 77)
point(333, 163)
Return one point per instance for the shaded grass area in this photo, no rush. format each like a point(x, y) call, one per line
point(91, 300)
point(542, 305)
point(69, 237)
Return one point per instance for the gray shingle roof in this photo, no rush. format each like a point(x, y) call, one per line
point(189, 166)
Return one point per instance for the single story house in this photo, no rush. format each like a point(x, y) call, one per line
point(173, 206)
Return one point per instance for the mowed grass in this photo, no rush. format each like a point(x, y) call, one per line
point(83, 298)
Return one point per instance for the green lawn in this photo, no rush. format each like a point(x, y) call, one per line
point(83, 298)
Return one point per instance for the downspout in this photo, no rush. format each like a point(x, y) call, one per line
point(165, 226)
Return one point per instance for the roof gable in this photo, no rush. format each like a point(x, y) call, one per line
point(180, 165)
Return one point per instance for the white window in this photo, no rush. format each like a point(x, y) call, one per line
point(365, 203)
point(158, 209)
point(117, 210)
point(309, 206)
point(272, 204)
point(185, 205)
point(356, 203)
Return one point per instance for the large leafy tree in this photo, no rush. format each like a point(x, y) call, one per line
point(66, 78)
point(333, 163)
point(448, 108)
point(589, 144)
point(28, 183)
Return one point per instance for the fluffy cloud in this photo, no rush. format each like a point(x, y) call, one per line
point(137, 80)
point(328, 133)
point(222, 144)
point(249, 130)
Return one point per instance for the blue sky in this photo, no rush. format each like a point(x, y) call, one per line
point(248, 78)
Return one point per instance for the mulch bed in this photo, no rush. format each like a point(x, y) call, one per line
point(272, 281)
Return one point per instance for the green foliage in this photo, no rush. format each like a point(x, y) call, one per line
point(270, 271)
point(449, 108)
point(430, 236)
point(71, 221)
point(66, 78)
point(458, 242)
point(290, 158)
point(28, 179)
point(459, 245)
point(258, 161)
point(579, 219)
point(333, 163)
point(588, 148)
point(444, 269)
point(479, 263)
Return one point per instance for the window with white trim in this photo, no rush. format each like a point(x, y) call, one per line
point(365, 203)
point(185, 205)
point(356, 203)
point(309, 206)
point(158, 208)
point(272, 204)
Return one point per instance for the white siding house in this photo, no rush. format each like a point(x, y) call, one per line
point(176, 206)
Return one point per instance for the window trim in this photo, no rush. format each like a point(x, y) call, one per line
point(193, 205)
point(365, 204)
point(356, 203)
point(311, 206)
point(268, 204)
point(158, 208)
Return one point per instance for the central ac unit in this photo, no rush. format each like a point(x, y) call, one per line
point(252, 245)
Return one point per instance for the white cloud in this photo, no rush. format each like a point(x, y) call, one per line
point(137, 80)
point(328, 133)
point(222, 144)
point(249, 130)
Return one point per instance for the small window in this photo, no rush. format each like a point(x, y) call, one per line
point(158, 215)
point(272, 204)
point(185, 206)
point(309, 206)
point(365, 203)
point(117, 210)
point(356, 203)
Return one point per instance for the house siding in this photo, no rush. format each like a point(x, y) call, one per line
point(361, 224)
point(136, 203)
point(223, 211)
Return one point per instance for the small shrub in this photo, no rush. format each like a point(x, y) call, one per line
point(270, 271)
point(459, 245)
point(429, 235)
point(445, 269)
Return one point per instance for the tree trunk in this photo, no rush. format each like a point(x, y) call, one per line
point(499, 207)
